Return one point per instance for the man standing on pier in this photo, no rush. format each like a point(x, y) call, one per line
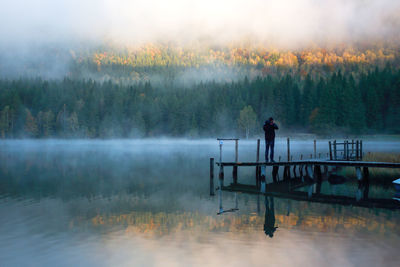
point(269, 129)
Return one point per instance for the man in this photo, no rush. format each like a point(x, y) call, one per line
point(269, 129)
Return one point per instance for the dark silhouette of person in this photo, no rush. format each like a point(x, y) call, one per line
point(269, 129)
point(269, 224)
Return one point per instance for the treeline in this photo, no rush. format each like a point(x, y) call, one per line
point(87, 109)
point(129, 64)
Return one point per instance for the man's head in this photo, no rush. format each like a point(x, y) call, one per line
point(271, 120)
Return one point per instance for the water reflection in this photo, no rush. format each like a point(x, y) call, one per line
point(269, 225)
point(106, 204)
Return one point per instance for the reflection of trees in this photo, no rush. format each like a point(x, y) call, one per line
point(163, 223)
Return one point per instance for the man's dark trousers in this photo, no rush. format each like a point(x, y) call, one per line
point(269, 144)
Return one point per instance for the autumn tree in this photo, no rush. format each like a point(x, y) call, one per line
point(247, 120)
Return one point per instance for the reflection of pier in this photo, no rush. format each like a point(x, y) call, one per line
point(305, 173)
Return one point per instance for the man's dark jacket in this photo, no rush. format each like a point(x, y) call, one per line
point(269, 129)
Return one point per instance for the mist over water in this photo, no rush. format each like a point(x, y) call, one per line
point(146, 202)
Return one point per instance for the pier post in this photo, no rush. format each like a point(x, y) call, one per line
point(258, 168)
point(325, 170)
point(357, 151)
point(359, 174)
point(288, 149)
point(334, 149)
point(262, 184)
point(318, 173)
point(275, 170)
point(294, 171)
point(315, 148)
point(366, 173)
point(309, 171)
point(330, 150)
point(301, 171)
point(361, 150)
point(212, 177)
point(235, 168)
point(285, 173)
point(221, 175)
point(234, 174)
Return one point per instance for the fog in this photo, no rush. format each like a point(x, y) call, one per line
point(286, 22)
point(42, 33)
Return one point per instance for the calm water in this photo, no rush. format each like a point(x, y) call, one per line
point(147, 203)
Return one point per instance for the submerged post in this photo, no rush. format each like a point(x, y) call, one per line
point(212, 177)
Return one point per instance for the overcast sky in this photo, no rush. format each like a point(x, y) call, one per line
point(289, 22)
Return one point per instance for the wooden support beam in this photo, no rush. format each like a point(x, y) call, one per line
point(318, 173)
point(366, 173)
point(235, 174)
point(288, 149)
point(330, 150)
point(310, 171)
point(212, 193)
point(221, 174)
point(286, 173)
point(325, 170)
point(294, 171)
point(275, 170)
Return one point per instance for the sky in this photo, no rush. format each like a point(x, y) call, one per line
point(283, 22)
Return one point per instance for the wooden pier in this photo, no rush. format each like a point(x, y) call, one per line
point(306, 173)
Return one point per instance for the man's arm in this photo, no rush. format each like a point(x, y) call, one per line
point(275, 126)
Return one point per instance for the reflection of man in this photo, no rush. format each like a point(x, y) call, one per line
point(269, 129)
point(269, 225)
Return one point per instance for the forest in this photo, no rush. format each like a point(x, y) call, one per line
point(334, 103)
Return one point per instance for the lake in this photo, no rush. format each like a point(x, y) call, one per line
point(146, 203)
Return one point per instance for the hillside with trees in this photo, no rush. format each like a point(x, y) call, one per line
point(76, 108)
